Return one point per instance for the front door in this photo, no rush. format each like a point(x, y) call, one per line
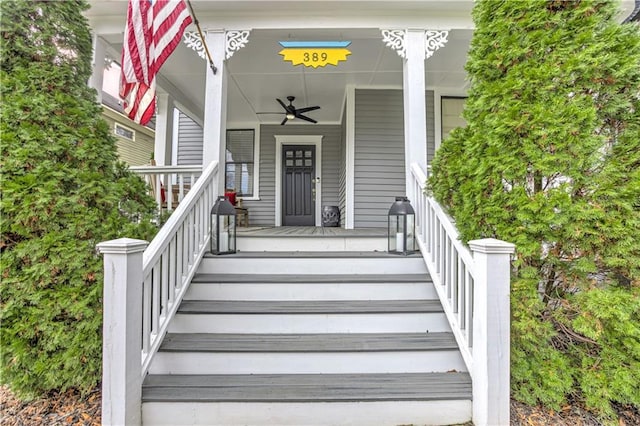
point(298, 185)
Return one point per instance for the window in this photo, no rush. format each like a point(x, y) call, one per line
point(124, 132)
point(451, 117)
point(239, 171)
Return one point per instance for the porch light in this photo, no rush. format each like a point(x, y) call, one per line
point(402, 225)
point(223, 227)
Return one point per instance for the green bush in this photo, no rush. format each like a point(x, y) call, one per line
point(63, 191)
point(550, 160)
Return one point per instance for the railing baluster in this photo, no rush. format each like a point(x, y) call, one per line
point(146, 315)
point(155, 300)
point(164, 283)
point(173, 278)
point(468, 315)
point(455, 279)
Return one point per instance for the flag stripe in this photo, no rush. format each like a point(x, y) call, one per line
point(153, 31)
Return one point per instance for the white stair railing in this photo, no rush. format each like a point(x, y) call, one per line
point(169, 184)
point(142, 292)
point(473, 286)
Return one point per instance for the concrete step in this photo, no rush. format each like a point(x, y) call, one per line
point(305, 399)
point(310, 316)
point(307, 353)
point(308, 263)
point(310, 243)
point(310, 287)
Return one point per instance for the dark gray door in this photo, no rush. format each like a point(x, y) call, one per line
point(298, 185)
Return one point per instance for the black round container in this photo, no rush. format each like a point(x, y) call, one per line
point(330, 216)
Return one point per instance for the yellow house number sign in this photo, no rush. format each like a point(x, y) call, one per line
point(315, 53)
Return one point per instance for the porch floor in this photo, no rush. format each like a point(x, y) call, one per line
point(309, 231)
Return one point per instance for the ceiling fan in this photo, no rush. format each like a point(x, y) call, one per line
point(292, 112)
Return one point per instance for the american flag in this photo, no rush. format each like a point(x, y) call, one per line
point(154, 29)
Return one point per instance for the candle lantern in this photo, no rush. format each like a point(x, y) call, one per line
point(223, 227)
point(402, 226)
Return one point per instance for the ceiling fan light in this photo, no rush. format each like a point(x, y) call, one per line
point(290, 116)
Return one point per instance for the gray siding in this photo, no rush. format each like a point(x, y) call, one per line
point(379, 155)
point(379, 152)
point(262, 212)
point(431, 126)
point(190, 138)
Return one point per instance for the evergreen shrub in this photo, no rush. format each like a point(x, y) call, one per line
point(63, 191)
point(550, 160)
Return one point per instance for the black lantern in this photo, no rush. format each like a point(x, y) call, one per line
point(402, 227)
point(223, 227)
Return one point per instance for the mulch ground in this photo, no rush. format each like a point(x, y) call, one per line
point(71, 408)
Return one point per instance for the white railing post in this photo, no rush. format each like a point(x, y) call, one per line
point(122, 338)
point(491, 331)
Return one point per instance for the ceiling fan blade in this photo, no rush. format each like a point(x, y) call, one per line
point(307, 109)
point(284, 121)
point(305, 118)
point(282, 103)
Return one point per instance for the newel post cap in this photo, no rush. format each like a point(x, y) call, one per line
point(492, 246)
point(122, 246)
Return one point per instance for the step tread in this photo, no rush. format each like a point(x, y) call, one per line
point(307, 387)
point(310, 278)
point(316, 342)
point(313, 255)
point(308, 306)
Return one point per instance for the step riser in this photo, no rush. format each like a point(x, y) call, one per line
point(311, 291)
point(382, 413)
point(311, 244)
point(310, 323)
point(325, 266)
point(307, 363)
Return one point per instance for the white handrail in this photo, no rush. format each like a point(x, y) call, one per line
point(171, 259)
point(142, 292)
point(169, 184)
point(473, 287)
point(449, 262)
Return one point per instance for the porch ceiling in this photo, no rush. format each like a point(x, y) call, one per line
point(258, 75)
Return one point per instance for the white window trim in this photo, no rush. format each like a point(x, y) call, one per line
point(349, 222)
point(298, 140)
point(115, 127)
point(437, 117)
point(256, 157)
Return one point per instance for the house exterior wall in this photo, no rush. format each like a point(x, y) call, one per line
point(137, 152)
point(379, 155)
point(431, 126)
point(262, 212)
point(190, 138)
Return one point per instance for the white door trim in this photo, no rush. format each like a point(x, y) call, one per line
point(299, 140)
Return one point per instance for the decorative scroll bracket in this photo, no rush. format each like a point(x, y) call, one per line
point(434, 41)
point(194, 42)
point(234, 41)
point(395, 39)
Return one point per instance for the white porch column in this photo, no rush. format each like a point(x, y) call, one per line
point(415, 115)
point(164, 129)
point(97, 65)
point(414, 46)
point(491, 331)
point(215, 108)
point(222, 45)
point(122, 332)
